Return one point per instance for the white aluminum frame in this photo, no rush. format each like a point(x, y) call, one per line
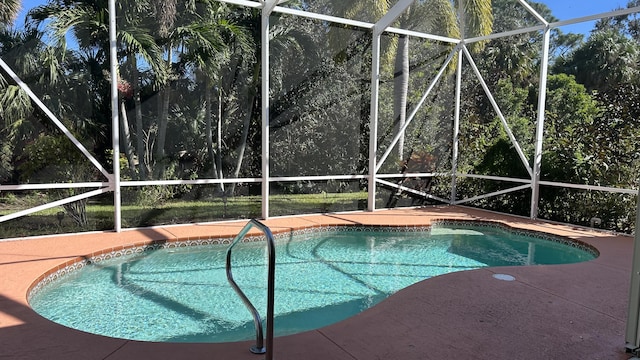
point(113, 182)
point(267, 9)
point(115, 120)
point(456, 130)
point(632, 331)
point(496, 108)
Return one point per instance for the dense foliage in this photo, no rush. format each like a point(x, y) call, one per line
point(189, 85)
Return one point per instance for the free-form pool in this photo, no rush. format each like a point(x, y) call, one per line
point(181, 294)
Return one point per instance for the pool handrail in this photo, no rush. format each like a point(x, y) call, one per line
point(259, 348)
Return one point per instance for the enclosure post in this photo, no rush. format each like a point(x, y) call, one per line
point(115, 121)
point(632, 337)
point(537, 159)
point(267, 8)
point(456, 130)
point(377, 31)
point(373, 122)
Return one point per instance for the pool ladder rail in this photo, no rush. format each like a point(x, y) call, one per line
point(260, 347)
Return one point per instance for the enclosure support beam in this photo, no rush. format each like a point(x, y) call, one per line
point(54, 204)
point(411, 191)
point(632, 333)
point(54, 119)
point(554, 25)
point(505, 125)
point(378, 29)
point(115, 120)
point(456, 130)
point(495, 193)
point(391, 16)
point(373, 121)
point(415, 110)
point(267, 8)
point(533, 12)
point(537, 159)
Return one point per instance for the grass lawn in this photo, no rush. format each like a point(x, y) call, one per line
point(100, 216)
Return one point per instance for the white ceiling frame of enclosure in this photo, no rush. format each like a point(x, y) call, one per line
point(383, 25)
point(460, 49)
point(535, 181)
point(113, 181)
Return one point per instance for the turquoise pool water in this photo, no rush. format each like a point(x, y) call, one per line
point(182, 294)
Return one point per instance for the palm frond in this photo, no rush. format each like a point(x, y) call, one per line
point(478, 21)
point(8, 11)
point(139, 42)
point(15, 104)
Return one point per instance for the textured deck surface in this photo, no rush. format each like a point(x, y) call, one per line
point(575, 311)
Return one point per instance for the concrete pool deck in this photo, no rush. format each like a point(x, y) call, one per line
point(575, 311)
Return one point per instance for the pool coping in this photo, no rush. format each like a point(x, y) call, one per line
point(27, 260)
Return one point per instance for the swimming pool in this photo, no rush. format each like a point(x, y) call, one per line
point(181, 293)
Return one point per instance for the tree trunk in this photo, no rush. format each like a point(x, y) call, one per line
point(126, 137)
point(219, 135)
point(208, 116)
point(243, 141)
point(401, 90)
point(163, 120)
point(140, 147)
point(246, 125)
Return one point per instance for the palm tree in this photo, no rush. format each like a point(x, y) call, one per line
point(15, 103)
point(39, 65)
point(209, 42)
point(457, 18)
point(134, 20)
point(23, 52)
point(8, 11)
point(86, 22)
point(197, 40)
point(165, 12)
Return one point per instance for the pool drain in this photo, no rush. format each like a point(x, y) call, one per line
point(503, 277)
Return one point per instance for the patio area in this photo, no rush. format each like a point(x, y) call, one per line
point(575, 311)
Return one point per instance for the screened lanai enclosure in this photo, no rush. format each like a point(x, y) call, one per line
point(125, 114)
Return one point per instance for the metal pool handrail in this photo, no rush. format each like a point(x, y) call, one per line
point(259, 348)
